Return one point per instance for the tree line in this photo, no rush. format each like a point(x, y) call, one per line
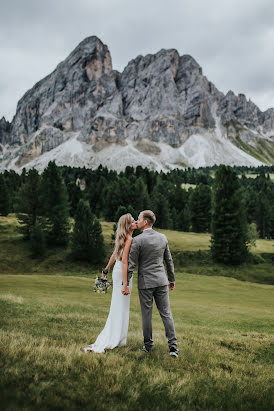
point(221, 200)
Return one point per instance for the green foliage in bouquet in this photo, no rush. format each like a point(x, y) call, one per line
point(101, 285)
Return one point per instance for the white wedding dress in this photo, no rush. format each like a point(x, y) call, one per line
point(115, 331)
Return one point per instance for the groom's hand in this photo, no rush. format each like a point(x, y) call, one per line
point(171, 286)
point(125, 290)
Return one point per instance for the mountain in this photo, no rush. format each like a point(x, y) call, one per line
point(160, 112)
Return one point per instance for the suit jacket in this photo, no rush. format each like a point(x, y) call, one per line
point(150, 250)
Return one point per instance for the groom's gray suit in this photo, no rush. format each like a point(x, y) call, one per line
point(150, 250)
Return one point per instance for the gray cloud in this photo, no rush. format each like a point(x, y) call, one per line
point(232, 40)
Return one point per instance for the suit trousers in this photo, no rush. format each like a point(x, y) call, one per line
point(161, 297)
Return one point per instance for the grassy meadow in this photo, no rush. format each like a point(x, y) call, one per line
point(224, 330)
point(48, 311)
point(254, 175)
point(190, 252)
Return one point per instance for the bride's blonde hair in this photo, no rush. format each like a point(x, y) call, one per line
point(123, 229)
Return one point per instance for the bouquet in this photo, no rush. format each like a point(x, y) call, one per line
point(101, 285)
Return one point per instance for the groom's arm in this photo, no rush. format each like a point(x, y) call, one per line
point(169, 264)
point(132, 259)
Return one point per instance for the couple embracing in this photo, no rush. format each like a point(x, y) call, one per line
point(149, 250)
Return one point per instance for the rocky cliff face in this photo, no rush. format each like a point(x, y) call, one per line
point(65, 101)
point(5, 129)
point(159, 104)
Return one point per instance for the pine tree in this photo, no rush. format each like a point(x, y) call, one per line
point(184, 219)
point(251, 203)
point(175, 222)
point(96, 188)
point(252, 235)
point(4, 197)
point(87, 238)
point(28, 203)
point(272, 221)
point(229, 226)
point(200, 208)
point(112, 200)
point(121, 211)
point(161, 210)
point(37, 240)
point(55, 205)
point(75, 194)
point(180, 214)
point(263, 217)
point(140, 199)
point(97, 250)
point(13, 183)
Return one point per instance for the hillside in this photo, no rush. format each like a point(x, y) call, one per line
point(190, 253)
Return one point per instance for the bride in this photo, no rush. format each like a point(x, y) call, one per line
point(116, 328)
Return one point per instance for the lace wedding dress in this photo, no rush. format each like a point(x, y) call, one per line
point(115, 331)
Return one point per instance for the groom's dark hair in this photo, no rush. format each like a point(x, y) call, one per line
point(149, 216)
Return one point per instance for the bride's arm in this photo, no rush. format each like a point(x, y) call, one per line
point(111, 261)
point(125, 260)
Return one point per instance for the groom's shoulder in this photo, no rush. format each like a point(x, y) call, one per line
point(160, 235)
point(137, 238)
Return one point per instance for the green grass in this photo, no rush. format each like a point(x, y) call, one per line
point(262, 151)
point(48, 311)
point(182, 241)
point(224, 329)
point(251, 175)
point(15, 255)
point(190, 252)
point(187, 186)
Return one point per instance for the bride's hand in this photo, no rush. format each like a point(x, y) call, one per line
point(125, 290)
point(104, 274)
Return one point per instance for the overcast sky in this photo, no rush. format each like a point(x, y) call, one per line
point(231, 39)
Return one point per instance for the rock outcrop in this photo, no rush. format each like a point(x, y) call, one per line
point(5, 129)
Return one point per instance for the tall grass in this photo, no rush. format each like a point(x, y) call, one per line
point(224, 329)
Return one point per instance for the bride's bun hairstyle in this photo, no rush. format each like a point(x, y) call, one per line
point(122, 231)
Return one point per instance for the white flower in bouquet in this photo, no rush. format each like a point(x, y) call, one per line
point(101, 285)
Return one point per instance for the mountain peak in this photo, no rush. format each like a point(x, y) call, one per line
point(161, 105)
point(90, 44)
point(230, 93)
point(88, 49)
point(90, 40)
point(187, 58)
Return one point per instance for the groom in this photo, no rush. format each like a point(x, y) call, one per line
point(149, 250)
